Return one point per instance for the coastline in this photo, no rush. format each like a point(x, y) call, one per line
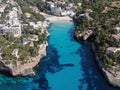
point(52, 18)
point(109, 76)
point(56, 19)
point(27, 68)
point(112, 77)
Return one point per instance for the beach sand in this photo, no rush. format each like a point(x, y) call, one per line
point(53, 18)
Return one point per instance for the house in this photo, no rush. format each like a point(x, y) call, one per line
point(116, 36)
point(67, 12)
point(16, 31)
point(112, 50)
point(39, 24)
point(64, 13)
point(56, 10)
point(36, 25)
point(30, 40)
point(15, 53)
point(12, 25)
point(117, 28)
point(33, 38)
point(45, 24)
point(49, 5)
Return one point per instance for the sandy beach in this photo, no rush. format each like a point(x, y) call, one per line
point(53, 18)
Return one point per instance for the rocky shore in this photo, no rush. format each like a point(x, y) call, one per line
point(25, 69)
point(112, 76)
point(84, 35)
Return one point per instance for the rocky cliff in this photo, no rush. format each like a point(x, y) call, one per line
point(84, 35)
point(112, 76)
point(27, 68)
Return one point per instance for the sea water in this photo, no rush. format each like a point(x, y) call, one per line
point(69, 65)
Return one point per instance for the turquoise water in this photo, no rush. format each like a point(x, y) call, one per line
point(69, 65)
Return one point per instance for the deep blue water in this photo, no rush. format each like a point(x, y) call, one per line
point(69, 65)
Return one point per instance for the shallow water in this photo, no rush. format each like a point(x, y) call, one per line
point(69, 65)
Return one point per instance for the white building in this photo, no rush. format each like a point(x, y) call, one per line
point(16, 30)
point(67, 12)
point(36, 25)
point(33, 38)
point(50, 5)
point(112, 50)
point(56, 10)
point(13, 25)
point(39, 24)
point(117, 28)
point(45, 24)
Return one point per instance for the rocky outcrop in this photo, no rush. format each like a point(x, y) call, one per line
point(84, 35)
point(112, 76)
point(27, 68)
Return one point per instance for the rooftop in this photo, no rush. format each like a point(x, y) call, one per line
point(112, 49)
point(116, 36)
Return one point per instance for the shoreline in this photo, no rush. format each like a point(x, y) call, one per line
point(27, 68)
point(57, 19)
point(52, 18)
point(112, 79)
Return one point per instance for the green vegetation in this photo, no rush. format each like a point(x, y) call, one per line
point(8, 43)
point(25, 6)
point(102, 25)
